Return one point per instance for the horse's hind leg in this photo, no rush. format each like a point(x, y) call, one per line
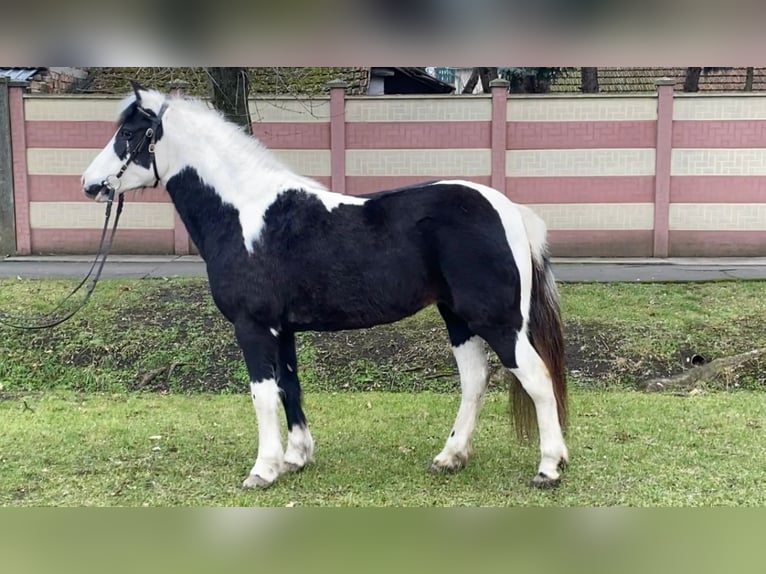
point(260, 349)
point(471, 361)
point(300, 445)
point(517, 353)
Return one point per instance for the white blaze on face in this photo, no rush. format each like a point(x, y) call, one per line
point(106, 163)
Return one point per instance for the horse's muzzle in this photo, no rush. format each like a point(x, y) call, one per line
point(97, 192)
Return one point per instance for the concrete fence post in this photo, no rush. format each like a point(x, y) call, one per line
point(7, 211)
point(19, 155)
point(338, 135)
point(499, 89)
point(665, 91)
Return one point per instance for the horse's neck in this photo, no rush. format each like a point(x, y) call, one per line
point(213, 225)
point(221, 191)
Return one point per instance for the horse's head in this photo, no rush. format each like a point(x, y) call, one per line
point(128, 161)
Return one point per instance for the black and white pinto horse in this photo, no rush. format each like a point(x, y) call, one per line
point(285, 255)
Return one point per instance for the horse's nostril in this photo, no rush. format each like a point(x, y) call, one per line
point(92, 190)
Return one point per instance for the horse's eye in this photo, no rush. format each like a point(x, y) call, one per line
point(127, 134)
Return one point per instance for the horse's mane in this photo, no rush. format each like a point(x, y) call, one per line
point(246, 153)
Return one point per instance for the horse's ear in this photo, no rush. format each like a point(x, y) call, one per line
point(137, 89)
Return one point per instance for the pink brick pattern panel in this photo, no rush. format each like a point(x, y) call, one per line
point(63, 134)
point(719, 134)
point(603, 189)
point(293, 135)
point(581, 134)
point(417, 135)
point(718, 189)
point(601, 243)
point(67, 188)
point(717, 243)
point(86, 241)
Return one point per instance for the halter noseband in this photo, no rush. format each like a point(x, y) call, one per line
point(112, 182)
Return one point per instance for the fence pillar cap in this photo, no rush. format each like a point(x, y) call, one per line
point(499, 83)
point(665, 81)
point(337, 84)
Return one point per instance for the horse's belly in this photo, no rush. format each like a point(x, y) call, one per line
point(353, 315)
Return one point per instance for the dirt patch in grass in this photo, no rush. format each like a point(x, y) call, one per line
point(167, 335)
point(601, 354)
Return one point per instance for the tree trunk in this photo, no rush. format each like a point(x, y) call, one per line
point(589, 80)
point(692, 81)
point(708, 372)
point(472, 81)
point(749, 79)
point(487, 75)
point(229, 90)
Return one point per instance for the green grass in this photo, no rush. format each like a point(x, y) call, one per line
point(153, 358)
point(617, 335)
point(626, 448)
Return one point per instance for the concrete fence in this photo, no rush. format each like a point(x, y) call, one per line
point(659, 174)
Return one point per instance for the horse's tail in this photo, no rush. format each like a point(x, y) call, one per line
point(544, 330)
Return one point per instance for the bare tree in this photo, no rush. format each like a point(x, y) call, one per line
point(229, 91)
point(589, 80)
point(486, 75)
point(692, 79)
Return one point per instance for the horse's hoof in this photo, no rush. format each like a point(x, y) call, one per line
point(544, 482)
point(256, 481)
point(294, 467)
point(451, 466)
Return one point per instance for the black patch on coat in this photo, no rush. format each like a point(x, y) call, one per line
point(356, 265)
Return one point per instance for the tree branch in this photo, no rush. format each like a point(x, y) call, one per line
point(690, 378)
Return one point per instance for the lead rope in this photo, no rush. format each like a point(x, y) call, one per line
point(46, 321)
point(112, 184)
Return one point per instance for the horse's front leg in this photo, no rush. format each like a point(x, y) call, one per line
point(260, 348)
point(300, 445)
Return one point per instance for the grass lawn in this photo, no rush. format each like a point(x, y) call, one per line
point(141, 399)
point(627, 448)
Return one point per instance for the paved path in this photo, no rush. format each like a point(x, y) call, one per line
point(566, 269)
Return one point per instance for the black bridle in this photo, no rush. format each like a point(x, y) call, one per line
point(111, 184)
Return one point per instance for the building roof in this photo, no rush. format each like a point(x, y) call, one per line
point(18, 74)
point(417, 79)
point(627, 80)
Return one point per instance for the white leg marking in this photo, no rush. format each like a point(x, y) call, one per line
point(269, 462)
point(300, 448)
point(471, 360)
point(534, 377)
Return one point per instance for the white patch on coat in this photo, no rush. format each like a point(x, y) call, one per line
point(471, 358)
point(300, 447)
point(536, 380)
point(269, 463)
point(274, 332)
